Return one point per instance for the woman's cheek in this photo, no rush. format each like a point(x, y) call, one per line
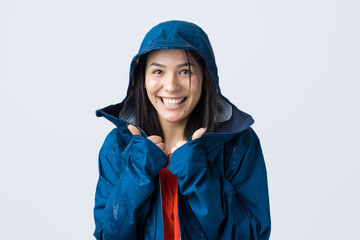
point(152, 84)
point(195, 85)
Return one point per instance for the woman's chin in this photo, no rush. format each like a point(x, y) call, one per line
point(174, 119)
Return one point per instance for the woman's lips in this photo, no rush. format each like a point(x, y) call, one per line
point(172, 101)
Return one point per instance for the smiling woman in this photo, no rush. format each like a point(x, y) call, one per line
point(179, 69)
point(167, 86)
point(182, 161)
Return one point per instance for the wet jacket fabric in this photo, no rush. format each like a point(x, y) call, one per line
point(222, 181)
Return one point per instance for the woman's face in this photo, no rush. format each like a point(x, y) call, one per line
point(167, 84)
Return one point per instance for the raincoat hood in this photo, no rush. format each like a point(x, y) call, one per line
point(187, 36)
point(179, 35)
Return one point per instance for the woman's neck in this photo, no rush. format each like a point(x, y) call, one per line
point(173, 132)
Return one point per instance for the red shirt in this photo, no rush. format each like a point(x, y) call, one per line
point(168, 184)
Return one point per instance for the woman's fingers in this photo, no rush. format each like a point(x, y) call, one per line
point(161, 146)
point(177, 145)
point(134, 130)
point(180, 143)
point(173, 149)
point(198, 133)
point(155, 139)
point(158, 141)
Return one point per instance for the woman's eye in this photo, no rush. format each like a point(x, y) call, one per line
point(184, 72)
point(157, 71)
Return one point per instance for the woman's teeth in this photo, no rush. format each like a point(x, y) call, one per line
point(172, 102)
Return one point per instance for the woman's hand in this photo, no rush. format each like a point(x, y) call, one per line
point(155, 139)
point(197, 134)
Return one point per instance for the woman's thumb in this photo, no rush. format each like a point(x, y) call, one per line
point(198, 133)
point(134, 130)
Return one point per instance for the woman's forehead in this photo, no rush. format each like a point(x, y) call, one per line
point(168, 56)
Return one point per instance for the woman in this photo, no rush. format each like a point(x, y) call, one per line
point(182, 160)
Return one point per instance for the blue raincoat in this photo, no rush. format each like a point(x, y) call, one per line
point(222, 182)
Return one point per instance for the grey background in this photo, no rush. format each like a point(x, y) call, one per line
point(292, 64)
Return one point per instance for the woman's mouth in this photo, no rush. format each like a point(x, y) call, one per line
point(172, 101)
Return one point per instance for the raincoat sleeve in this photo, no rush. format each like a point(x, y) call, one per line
point(229, 200)
point(126, 182)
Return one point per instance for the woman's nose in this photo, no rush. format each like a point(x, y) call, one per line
point(171, 83)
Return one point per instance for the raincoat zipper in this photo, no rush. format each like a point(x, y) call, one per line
point(161, 208)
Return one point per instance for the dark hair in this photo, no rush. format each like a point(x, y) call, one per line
point(146, 116)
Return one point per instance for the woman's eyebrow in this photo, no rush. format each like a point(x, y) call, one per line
point(178, 66)
point(185, 65)
point(156, 64)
